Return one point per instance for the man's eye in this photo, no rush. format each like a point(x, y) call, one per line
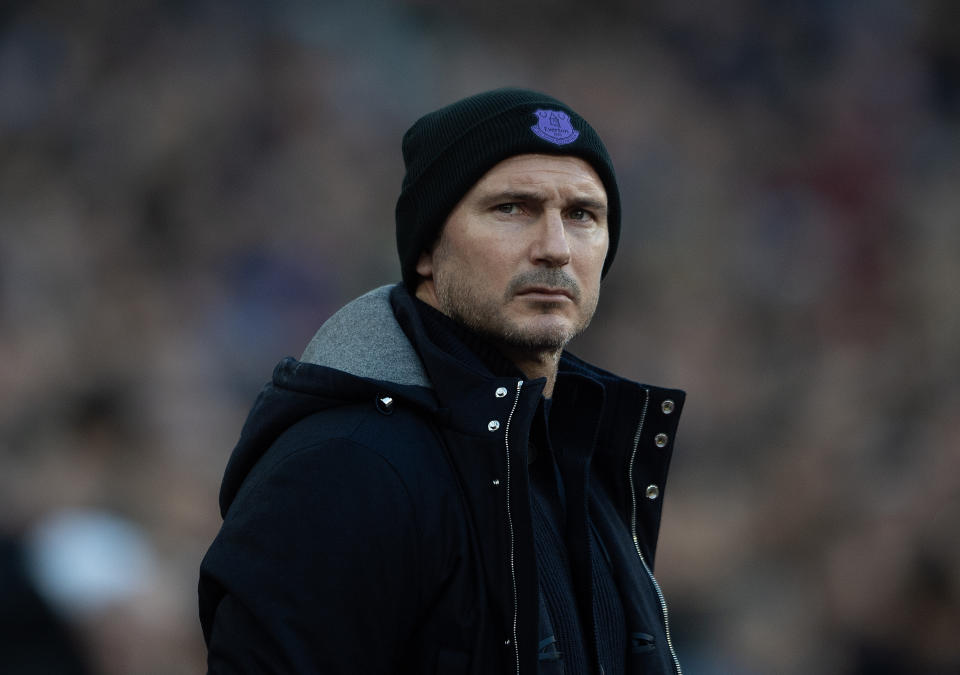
point(579, 214)
point(508, 208)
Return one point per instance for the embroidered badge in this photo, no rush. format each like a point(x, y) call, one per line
point(554, 126)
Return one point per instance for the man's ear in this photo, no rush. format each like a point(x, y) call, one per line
point(425, 264)
point(426, 290)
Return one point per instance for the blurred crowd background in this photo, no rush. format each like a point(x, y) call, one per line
point(188, 188)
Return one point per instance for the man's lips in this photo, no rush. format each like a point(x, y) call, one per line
point(545, 293)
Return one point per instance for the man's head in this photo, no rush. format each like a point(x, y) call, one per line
point(447, 151)
point(508, 218)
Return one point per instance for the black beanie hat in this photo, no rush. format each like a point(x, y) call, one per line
point(447, 151)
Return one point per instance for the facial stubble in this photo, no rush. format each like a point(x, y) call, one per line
point(487, 318)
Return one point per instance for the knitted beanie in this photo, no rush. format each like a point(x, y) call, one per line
point(447, 151)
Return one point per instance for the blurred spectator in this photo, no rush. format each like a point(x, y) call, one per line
point(34, 639)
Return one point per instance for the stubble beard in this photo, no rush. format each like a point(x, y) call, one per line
point(486, 317)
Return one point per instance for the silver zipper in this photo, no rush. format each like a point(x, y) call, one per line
point(513, 562)
point(636, 540)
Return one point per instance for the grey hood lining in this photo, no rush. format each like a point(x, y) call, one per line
point(364, 339)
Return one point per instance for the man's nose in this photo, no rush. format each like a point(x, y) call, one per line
point(551, 247)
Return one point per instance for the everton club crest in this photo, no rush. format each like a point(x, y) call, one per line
point(554, 126)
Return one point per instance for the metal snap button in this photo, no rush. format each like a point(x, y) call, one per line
point(652, 492)
point(385, 404)
point(667, 406)
point(661, 440)
point(501, 392)
point(493, 425)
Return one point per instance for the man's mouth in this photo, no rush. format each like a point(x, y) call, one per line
point(545, 293)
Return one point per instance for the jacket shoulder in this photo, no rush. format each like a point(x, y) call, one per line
point(399, 439)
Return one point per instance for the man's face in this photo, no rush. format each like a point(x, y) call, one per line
point(519, 258)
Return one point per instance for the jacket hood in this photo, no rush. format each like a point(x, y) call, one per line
point(359, 354)
point(364, 339)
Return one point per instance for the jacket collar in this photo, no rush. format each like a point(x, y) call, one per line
point(462, 382)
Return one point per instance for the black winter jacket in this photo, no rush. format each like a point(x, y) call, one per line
point(376, 508)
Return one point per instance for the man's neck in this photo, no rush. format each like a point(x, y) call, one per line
point(535, 364)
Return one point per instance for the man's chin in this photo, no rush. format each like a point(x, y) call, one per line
point(548, 336)
point(536, 333)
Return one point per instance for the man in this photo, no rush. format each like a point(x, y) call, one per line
point(436, 486)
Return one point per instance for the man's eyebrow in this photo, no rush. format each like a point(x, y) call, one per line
point(591, 204)
point(516, 196)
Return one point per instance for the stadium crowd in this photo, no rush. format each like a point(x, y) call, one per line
point(188, 189)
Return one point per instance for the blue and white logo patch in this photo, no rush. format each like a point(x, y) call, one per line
point(554, 126)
